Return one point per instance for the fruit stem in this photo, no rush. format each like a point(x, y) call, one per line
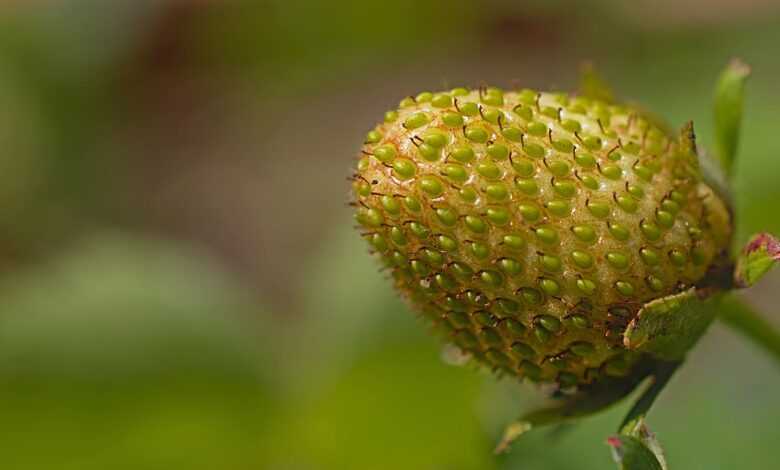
point(743, 319)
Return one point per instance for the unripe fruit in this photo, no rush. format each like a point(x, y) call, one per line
point(530, 227)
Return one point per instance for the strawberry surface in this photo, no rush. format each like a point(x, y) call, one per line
point(530, 227)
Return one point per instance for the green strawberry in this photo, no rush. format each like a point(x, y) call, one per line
point(531, 227)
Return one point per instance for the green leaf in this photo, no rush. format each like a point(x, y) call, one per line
point(638, 429)
point(630, 454)
point(593, 86)
point(729, 93)
point(591, 399)
point(668, 327)
point(756, 259)
point(687, 139)
point(688, 153)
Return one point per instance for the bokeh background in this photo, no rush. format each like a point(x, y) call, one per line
point(180, 284)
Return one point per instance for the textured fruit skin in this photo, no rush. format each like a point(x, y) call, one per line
point(530, 227)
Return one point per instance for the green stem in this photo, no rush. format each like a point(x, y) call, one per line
point(661, 376)
point(753, 326)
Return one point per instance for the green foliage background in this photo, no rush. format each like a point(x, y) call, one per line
point(180, 286)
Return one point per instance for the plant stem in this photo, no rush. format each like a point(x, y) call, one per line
point(660, 377)
point(752, 325)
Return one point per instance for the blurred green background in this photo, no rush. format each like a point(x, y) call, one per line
point(180, 285)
